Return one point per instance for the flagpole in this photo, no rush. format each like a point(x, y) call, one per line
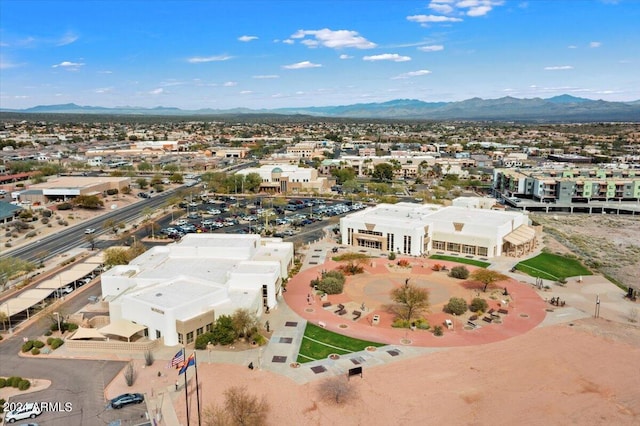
point(195, 365)
point(186, 394)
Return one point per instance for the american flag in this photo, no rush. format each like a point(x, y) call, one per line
point(178, 359)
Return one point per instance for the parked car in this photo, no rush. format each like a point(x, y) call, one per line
point(126, 399)
point(89, 231)
point(30, 410)
point(143, 195)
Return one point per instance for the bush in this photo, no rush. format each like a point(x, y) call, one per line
point(35, 351)
point(203, 339)
point(437, 267)
point(27, 346)
point(437, 330)
point(24, 385)
point(44, 220)
point(2, 402)
point(48, 333)
point(331, 285)
point(13, 381)
point(65, 206)
point(3, 382)
point(403, 263)
point(46, 213)
point(112, 191)
point(57, 343)
point(148, 358)
point(459, 272)
point(400, 323)
point(258, 339)
point(30, 234)
point(50, 339)
point(478, 305)
point(392, 256)
point(38, 344)
point(456, 305)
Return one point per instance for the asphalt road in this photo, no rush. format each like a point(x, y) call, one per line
point(78, 382)
point(67, 239)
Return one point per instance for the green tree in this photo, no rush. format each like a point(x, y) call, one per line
point(252, 182)
point(410, 300)
point(383, 172)
point(12, 266)
point(88, 201)
point(223, 330)
point(456, 305)
point(487, 277)
point(145, 167)
point(343, 175)
point(116, 256)
point(243, 321)
point(142, 183)
point(176, 178)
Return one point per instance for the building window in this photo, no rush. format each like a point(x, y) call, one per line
point(407, 244)
point(468, 249)
point(390, 242)
point(190, 337)
point(350, 236)
point(453, 247)
point(158, 334)
point(209, 327)
point(180, 338)
point(439, 245)
point(366, 232)
point(482, 251)
point(199, 331)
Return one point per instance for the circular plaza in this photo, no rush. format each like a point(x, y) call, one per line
point(362, 309)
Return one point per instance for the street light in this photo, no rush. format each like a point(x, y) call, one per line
point(57, 314)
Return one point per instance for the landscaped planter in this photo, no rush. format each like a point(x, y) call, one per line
point(334, 356)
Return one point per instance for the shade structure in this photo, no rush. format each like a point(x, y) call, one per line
point(83, 333)
point(122, 328)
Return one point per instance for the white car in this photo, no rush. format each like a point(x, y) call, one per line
point(89, 231)
point(29, 410)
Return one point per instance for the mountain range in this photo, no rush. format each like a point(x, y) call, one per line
point(563, 108)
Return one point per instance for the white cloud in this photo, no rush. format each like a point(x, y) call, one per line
point(431, 48)
point(343, 56)
point(440, 7)
point(333, 39)
point(572, 46)
point(247, 38)
point(411, 74)
point(5, 65)
point(424, 19)
point(595, 44)
point(558, 68)
point(265, 77)
point(288, 41)
point(157, 91)
point(68, 65)
point(203, 59)
point(387, 57)
point(105, 72)
point(68, 38)
point(230, 83)
point(104, 90)
point(246, 92)
point(301, 65)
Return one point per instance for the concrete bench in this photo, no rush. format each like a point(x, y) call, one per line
point(326, 304)
point(503, 311)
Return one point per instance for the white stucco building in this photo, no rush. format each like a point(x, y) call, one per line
point(417, 229)
point(288, 178)
point(178, 290)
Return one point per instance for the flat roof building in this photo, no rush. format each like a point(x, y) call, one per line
point(177, 291)
point(419, 229)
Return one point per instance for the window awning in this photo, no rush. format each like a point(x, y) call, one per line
point(521, 235)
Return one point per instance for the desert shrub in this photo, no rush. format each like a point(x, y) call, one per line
point(437, 330)
point(65, 206)
point(130, 374)
point(351, 268)
point(3, 382)
point(30, 234)
point(203, 339)
point(148, 358)
point(24, 385)
point(69, 326)
point(456, 305)
point(27, 346)
point(2, 402)
point(331, 285)
point(112, 191)
point(460, 272)
point(35, 351)
point(478, 305)
point(400, 323)
point(44, 220)
point(392, 256)
point(259, 339)
point(7, 244)
point(422, 324)
point(48, 333)
point(50, 339)
point(403, 263)
point(46, 213)
point(13, 381)
point(38, 344)
point(56, 343)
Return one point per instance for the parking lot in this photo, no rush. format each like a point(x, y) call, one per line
point(258, 215)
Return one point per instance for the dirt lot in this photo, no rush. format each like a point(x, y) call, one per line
point(610, 244)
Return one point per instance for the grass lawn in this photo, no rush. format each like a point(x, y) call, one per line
point(460, 260)
point(552, 267)
point(319, 343)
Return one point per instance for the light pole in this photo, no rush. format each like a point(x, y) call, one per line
point(57, 314)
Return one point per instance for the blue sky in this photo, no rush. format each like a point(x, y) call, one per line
point(275, 53)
